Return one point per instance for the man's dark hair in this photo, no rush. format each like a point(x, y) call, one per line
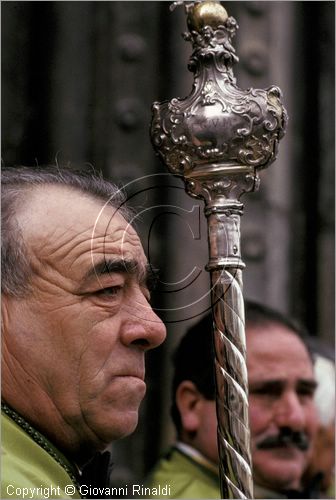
point(16, 185)
point(257, 315)
point(193, 358)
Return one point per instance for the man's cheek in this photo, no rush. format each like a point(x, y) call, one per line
point(312, 419)
point(257, 418)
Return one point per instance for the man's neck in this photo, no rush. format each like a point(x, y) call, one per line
point(43, 416)
point(196, 455)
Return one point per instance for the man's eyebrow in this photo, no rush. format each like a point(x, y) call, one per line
point(307, 384)
point(266, 385)
point(145, 274)
point(276, 385)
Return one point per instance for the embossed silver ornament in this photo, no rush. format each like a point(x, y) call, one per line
point(217, 139)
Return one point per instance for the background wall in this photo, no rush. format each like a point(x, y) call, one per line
point(78, 81)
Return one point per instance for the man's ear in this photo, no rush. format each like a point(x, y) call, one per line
point(189, 403)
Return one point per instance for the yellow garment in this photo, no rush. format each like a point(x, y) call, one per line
point(27, 470)
point(183, 477)
point(187, 478)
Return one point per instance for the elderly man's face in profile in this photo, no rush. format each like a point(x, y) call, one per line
point(281, 407)
point(81, 334)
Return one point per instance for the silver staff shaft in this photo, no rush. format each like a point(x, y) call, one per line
point(225, 268)
point(216, 139)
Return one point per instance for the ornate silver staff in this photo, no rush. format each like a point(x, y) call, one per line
point(216, 139)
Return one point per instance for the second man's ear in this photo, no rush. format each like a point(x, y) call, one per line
point(189, 402)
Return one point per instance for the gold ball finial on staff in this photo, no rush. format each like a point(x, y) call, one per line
point(203, 14)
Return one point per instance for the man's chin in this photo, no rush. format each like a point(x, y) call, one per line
point(108, 424)
point(279, 469)
point(120, 426)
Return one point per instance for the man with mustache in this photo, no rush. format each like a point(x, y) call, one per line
point(281, 408)
point(282, 412)
point(76, 323)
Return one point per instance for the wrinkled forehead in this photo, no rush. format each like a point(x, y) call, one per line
point(45, 208)
point(275, 346)
point(55, 215)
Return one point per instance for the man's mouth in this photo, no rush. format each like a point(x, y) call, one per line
point(285, 439)
point(132, 372)
point(132, 375)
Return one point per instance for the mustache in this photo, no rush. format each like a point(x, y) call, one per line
point(284, 438)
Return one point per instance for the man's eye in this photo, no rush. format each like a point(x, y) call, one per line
point(110, 291)
point(273, 391)
point(308, 393)
point(262, 392)
point(306, 389)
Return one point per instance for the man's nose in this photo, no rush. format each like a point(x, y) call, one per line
point(143, 328)
point(289, 412)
